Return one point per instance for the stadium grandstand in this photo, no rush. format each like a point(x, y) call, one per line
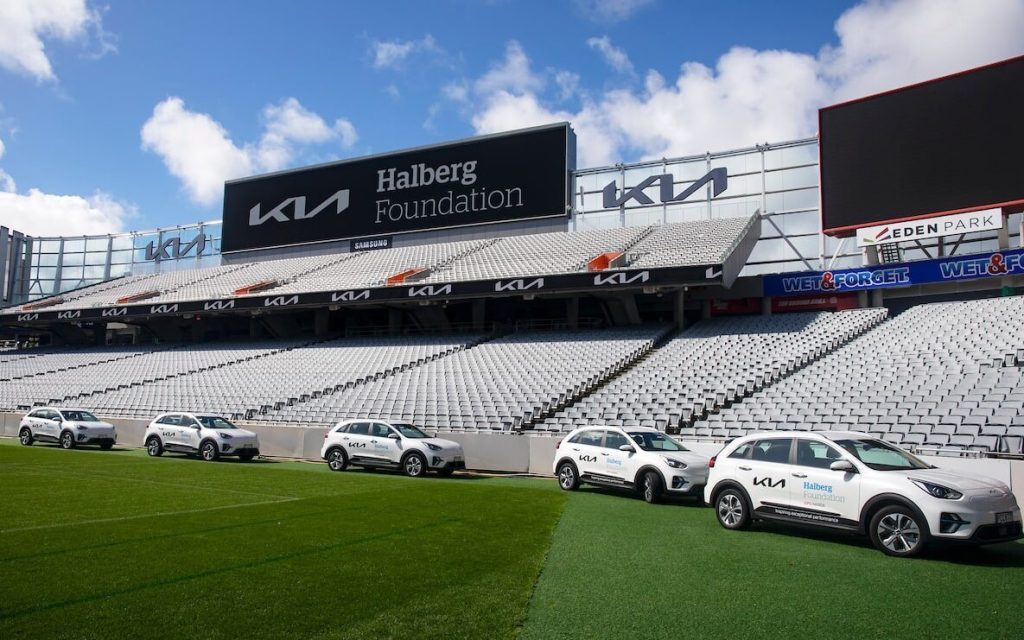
point(708, 296)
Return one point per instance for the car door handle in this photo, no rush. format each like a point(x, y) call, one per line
point(603, 453)
point(742, 468)
point(799, 475)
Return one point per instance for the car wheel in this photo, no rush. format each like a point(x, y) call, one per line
point(153, 446)
point(208, 451)
point(337, 460)
point(107, 446)
point(25, 437)
point(650, 487)
point(568, 478)
point(898, 531)
point(67, 440)
point(414, 465)
point(732, 509)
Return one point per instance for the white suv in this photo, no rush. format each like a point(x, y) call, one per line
point(67, 427)
point(635, 458)
point(395, 445)
point(851, 481)
point(208, 436)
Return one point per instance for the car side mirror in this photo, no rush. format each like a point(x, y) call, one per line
point(394, 436)
point(843, 465)
point(626, 447)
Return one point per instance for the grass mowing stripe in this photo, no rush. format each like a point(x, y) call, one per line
point(94, 597)
point(620, 568)
point(153, 538)
point(99, 476)
point(355, 555)
point(141, 516)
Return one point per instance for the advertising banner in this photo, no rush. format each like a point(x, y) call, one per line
point(982, 265)
point(987, 220)
point(370, 244)
point(514, 176)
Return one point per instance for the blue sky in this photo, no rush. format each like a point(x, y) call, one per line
point(131, 114)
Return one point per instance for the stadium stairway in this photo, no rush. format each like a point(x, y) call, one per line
point(312, 394)
point(943, 378)
point(687, 377)
point(591, 389)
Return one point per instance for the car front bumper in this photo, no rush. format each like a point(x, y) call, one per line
point(85, 437)
point(988, 526)
point(242, 449)
point(454, 462)
point(686, 485)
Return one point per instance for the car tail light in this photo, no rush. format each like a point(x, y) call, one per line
point(326, 434)
point(711, 462)
point(559, 443)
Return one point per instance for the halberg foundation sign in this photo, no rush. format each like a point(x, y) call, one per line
point(514, 176)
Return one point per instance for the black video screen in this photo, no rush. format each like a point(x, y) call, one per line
point(946, 145)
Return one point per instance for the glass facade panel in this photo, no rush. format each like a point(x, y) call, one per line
point(788, 188)
point(87, 260)
point(97, 244)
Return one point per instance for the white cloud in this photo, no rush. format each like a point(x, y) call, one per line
point(456, 91)
point(7, 183)
point(614, 56)
point(391, 54)
point(289, 124)
point(198, 150)
point(753, 96)
point(610, 11)
point(888, 44)
point(43, 214)
point(24, 24)
point(513, 73)
point(568, 84)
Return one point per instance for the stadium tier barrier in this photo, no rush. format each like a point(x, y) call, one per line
point(496, 452)
point(652, 246)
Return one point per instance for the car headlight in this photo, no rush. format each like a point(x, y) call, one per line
point(675, 464)
point(82, 427)
point(226, 436)
point(433, 447)
point(938, 491)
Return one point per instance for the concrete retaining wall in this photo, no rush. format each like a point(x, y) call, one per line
point(499, 452)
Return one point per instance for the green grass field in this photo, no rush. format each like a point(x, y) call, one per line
point(114, 544)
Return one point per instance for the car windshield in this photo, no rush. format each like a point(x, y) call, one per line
point(408, 430)
point(882, 456)
point(650, 441)
point(79, 416)
point(215, 422)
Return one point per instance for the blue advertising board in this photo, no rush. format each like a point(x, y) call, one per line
point(981, 265)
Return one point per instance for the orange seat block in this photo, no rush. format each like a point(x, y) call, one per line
point(402, 276)
point(603, 261)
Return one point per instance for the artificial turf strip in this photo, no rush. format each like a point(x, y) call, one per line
point(620, 568)
point(260, 550)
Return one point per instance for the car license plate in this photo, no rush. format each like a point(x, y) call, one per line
point(1004, 517)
